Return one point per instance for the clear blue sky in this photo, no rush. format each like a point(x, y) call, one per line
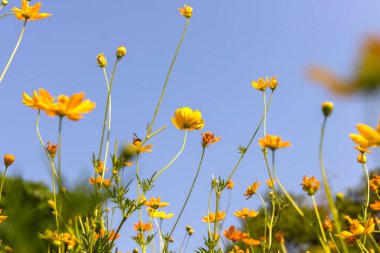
point(228, 44)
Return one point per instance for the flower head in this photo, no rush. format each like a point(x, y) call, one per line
point(186, 11)
point(159, 214)
point(246, 213)
point(327, 224)
point(211, 217)
point(29, 12)
point(137, 148)
point(42, 97)
point(260, 84)
point(251, 190)
point(234, 235)
point(187, 119)
point(374, 183)
point(327, 108)
point(273, 142)
point(8, 160)
point(99, 182)
point(121, 52)
point(270, 183)
point(102, 60)
point(367, 137)
point(310, 185)
point(142, 227)
point(208, 138)
point(155, 203)
point(51, 149)
point(375, 206)
point(357, 229)
point(230, 184)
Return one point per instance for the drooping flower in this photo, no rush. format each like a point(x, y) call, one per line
point(29, 12)
point(251, 190)
point(209, 138)
point(273, 142)
point(310, 185)
point(187, 119)
point(367, 137)
point(246, 213)
point(186, 11)
point(211, 217)
point(234, 235)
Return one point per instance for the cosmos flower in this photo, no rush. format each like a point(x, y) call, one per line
point(29, 12)
point(273, 142)
point(211, 217)
point(246, 213)
point(187, 119)
point(186, 11)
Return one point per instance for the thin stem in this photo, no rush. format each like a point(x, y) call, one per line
point(118, 229)
point(250, 141)
point(2, 182)
point(60, 190)
point(217, 197)
point(265, 114)
point(183, 242)
point(366, 181)
point(167, 78)
point(265, 216)
point(298, 209)
point(6, 14)
point(14, 51)
point(319, 219)
point(174, 158)
point(190, 191)
point(269, 170)
point(374, 242)
point(330, 200)
point(187, 244)
point(332, 239)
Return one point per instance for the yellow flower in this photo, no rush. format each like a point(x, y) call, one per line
point(270, 183)
point(367, 137)
point(374, 183)
point(2, 217)
point(273, 142)
point(310, 185)
point(211, 217)
point(186, 11)
point(208, 138)
point(136, 148)
point(8, 160)
point(236, 249)
point(155, 203)
point(120, 52)
point(187, 119)
point(102, 60)
point(251, 190)
point(29, 12)
point(327, 108)
point(159, 214)
point(273, 83)
point(234, 235)
point(42, 97)
point(230, 184)
point(100, 169)
point(260, 84)
point(246, 213)
point(327, 224)
point(357, 229)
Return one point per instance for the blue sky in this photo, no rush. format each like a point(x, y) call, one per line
point(228, 44)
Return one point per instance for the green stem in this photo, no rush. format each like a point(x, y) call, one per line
point(366, 181)
point(294, 204)
point(217, 197)
point(174, 158)
point(269, 173)
point(374, 242)
point(330, 200)
point(332, 239)
point(265, 216)
point(14, 51)
point(167, 79)
point(319, 220)
point(250, 141)
point(183, 242)
point(2, 182)
point(60, 190)
point(188, 195)
point(265, 114)
point(6, 14)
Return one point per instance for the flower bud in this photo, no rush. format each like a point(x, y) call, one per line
point(191, 231)
point(188, 227)
point(102, 60)
point(362, 158)
point(186, 11)
point(327, 108)
point(120, 52)
point(4, 2)
point(8, 160)
point(135, 250)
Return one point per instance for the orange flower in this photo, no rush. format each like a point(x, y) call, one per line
point(230, 184)
point(51, 149)
point(186, 11)
point(29, 12)
point(137, 148)
point(100, 168)
point(327, 224)
point(155, 203)
point(142, 227)
point(208, 138)
point(251, 241)
point(273, 142)
point(234, 235)
point(8, 160)
point(111, 235)
point(375, 206)
point(310, 185)
point(187, 119)
point(211, 217)
point(270, 183)
point(251, 190)
point(279, 236)
point(374, 183)
point(367, 137)
point(357, 229)
point(246, 213)
point(42, 97)
point(262, 84)
point(98, 182)
point(2, 217)
point(237, 249)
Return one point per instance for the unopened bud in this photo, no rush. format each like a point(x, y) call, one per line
point(8, 160)
point(327, 108)
point(120, 52)
point(4, 2)
point(102, 60)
